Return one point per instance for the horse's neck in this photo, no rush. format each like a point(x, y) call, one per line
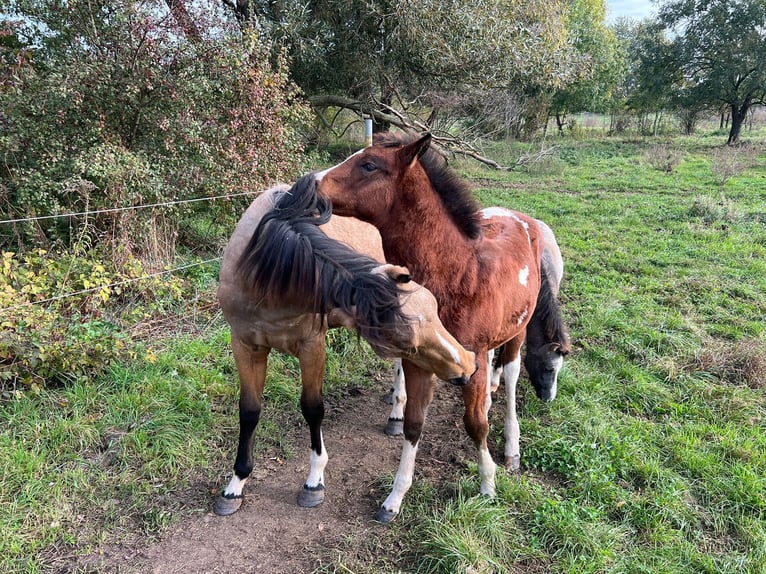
point(421, 235)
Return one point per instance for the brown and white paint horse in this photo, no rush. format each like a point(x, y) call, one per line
point(284, 282)
point(483, 267)
point(548, 342)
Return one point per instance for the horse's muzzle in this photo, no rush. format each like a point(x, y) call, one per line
point(463, 380)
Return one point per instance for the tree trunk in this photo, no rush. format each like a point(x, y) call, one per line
point(738, 115)
point(560, 123)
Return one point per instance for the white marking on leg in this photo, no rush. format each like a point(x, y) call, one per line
point(403, 479)
point(317, 464)
point(524, 275)
point(235, 486)
point(494, 372)
point(487, 468)
point(399, 392)
point(512, 434)
point(488, 396)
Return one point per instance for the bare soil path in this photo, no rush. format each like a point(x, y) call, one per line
point(271, 534)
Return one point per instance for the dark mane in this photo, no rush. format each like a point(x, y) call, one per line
point(290, 260)
point(546, 321)
point(455, 193)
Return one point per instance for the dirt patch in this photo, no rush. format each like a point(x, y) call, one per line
point(271, 533)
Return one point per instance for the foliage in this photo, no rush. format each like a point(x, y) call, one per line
point(116, 107)
point(46, 338)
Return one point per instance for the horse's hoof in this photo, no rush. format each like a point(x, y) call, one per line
point(309, 497)
point(226, 505)
point(385, 516)
point(394, 427)
point(513, 463)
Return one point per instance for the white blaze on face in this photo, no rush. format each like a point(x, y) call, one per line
point(320, 174)
point(450, 348)
point(524, 275)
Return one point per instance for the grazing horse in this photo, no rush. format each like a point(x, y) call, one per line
point(284, 282)
point(483, 267)
point(547, 341)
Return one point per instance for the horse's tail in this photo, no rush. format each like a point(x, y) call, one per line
point(547, 322)
point(290, 259)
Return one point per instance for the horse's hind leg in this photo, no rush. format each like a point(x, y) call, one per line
point(312, 361)
point(395, 424)
point(251, 366)
point(511, 360)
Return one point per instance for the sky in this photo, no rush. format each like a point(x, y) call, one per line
point(636, 9)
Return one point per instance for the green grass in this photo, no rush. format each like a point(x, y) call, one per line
point(651, 460)
point(653, 457)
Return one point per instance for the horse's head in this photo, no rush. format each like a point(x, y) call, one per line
point(431, 347)
point(543, 365)
point(364, 185)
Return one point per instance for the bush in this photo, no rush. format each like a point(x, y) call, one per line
point(46, 338)
point(116, 107)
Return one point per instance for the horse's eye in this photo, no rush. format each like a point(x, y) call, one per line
point(368, 166)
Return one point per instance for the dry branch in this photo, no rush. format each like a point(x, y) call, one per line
point(447, 144)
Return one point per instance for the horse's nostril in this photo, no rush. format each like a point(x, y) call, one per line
point(459, 381)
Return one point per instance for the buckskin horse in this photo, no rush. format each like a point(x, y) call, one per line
point(482, 265)
point(284, 281)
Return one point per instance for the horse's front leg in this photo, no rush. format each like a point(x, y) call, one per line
point(395, 424)
point(477, 400)
point(420, 386)
point(251, 367)
point(312, 362)
point(511, 360)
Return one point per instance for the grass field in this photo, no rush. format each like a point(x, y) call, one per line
point(651, 460)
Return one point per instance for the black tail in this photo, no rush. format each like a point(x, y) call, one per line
point(291, 261)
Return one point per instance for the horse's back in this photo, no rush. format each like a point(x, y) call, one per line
point(552, 259)
point(360, 236)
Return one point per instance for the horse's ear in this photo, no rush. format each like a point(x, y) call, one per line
point(396, 273)
point(403, 278)
point(411, 152)
point(562, 350)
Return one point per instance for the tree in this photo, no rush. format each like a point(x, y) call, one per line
point(420, 51)
point(598, 50)
point(720, 49)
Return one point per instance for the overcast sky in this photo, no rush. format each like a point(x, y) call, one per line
point(637, 9)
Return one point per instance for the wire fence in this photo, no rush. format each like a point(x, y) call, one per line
point(116, 210)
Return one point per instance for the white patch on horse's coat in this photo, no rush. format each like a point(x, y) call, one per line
point(450, 348)
point(318, 463)
point(512, 434)
point(403, 479)
point(320, 174)
point(235, 486)
point(490, 212)
point(523, 316)
point(487, 468)
point(524, 276)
